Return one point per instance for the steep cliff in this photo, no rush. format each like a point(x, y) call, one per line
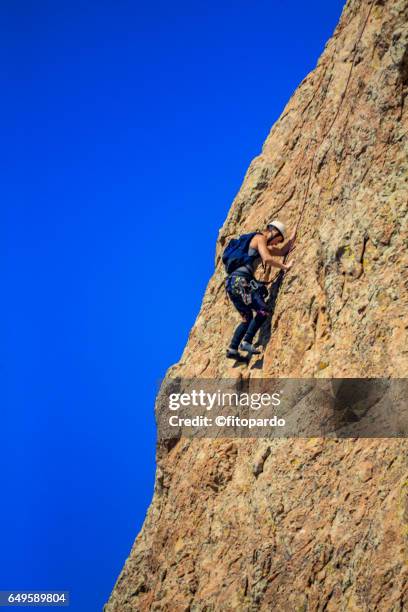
point(291, 524)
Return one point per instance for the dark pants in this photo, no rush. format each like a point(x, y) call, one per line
point(245, 301)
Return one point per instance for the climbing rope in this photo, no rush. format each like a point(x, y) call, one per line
point(278, 280)
point(303, 205)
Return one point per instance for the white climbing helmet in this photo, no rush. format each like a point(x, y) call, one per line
point(279, 226)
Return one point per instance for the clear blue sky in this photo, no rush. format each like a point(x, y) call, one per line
point(127, 127)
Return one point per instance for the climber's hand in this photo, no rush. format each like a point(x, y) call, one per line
point(288, 266)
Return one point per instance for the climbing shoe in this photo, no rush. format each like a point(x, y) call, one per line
point(249, 348)
point(233, 354)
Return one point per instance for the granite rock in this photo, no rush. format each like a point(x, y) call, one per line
point(292, 524)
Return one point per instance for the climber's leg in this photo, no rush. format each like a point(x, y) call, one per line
point(240, 296)
point(241, 330)
point(261, 310)
point(253, 327)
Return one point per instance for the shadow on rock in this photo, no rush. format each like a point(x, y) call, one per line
point(265, 332)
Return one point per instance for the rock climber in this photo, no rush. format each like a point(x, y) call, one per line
point(241, 258)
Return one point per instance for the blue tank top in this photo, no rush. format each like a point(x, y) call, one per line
point(249, 268)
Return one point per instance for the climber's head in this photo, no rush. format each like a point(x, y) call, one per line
point(275, 232)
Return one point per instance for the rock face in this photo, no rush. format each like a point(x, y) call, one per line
point(291, 524)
